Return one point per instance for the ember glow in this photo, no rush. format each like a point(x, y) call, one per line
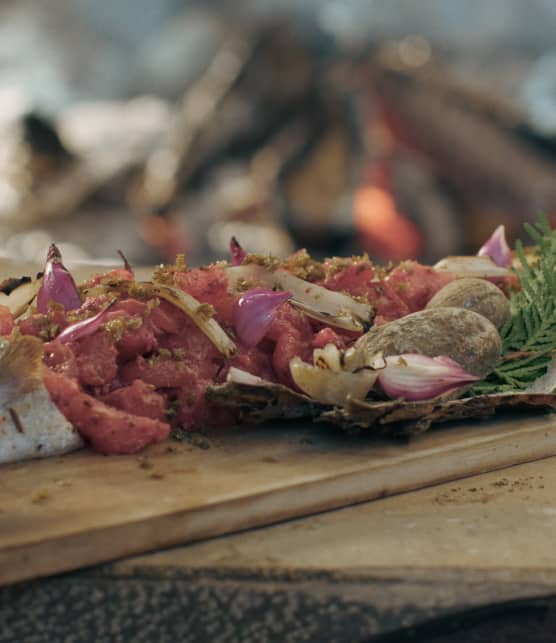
point(384, 231)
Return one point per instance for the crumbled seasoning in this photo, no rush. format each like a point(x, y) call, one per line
point(172, 408)
point(266, 261)
point(337, 264)
point(110, 281)
point(49, 331)
point(402, 287)
point(119, 325)
point(40, 496)
point(302, 265)
point(141, 291)
point(205, 311)
point(178, 354)
point(166, 354)
point(164, 275)
point(54, 306)
point(472, 495)
point(362, 299)
point(407, 266)
point(244, 284)
point(145, 463)
point(195, 439)
point(180, 265)
point(77, 315)
point(152, 304)
point(387, 269)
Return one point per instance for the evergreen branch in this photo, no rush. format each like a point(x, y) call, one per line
point(529, 336)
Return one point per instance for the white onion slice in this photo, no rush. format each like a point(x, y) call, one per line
point(331, 387)
point(196, 311)
point(239, 376)
point(326, 381)
point(480, 267)
point(20, 297)
point(333, 308)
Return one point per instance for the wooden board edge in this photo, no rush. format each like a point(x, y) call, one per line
point(182, 527)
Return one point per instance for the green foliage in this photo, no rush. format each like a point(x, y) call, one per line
point(529, 336)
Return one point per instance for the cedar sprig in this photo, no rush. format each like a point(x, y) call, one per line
point(529, 336)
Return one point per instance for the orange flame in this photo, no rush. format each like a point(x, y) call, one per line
point(384, 231)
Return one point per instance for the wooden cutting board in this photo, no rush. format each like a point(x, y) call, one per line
point(68, 512)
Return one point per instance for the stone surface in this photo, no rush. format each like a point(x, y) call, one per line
point(457, 563)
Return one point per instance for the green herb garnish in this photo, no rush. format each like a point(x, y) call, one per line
point(529, 336)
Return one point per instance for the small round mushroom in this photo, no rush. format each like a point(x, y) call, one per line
point(478, 295)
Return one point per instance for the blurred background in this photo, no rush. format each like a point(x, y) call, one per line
point(403, 129)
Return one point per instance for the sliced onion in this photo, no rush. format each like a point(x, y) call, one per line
point(326, 381)
point(497, 248)
point(415, 377)
point(237, 253)
point(17, 293)
point(57, 284)
point(254, 313)
point(331, 387)
point(239, 376)
point(197, 312)
point(333, 308)
point(85, 327)
point(480, 267)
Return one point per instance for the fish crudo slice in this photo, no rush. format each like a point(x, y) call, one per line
point(31, 426)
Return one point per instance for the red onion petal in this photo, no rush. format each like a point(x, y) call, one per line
point(85, 327)
point(237, 253)
point(57, 284)
point(416, 377)
point(496, 247)
point(331, 307)
point(254, 313)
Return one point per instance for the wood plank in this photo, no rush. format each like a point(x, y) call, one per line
point(495, 528)
point(69, 512)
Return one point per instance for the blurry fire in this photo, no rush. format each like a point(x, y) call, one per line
point(383, 231)
point(166, 234)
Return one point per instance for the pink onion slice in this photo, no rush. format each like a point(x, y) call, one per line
point(416, 377)
point(237, 253)
point(331, 307)
point(57, 284)
point(497, 248)
point(85, 327)
point(254, 313)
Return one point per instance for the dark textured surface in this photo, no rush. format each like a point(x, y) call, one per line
point(170, 610)
point(203, 605)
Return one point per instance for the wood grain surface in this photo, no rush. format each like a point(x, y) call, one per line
point(73, 511)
